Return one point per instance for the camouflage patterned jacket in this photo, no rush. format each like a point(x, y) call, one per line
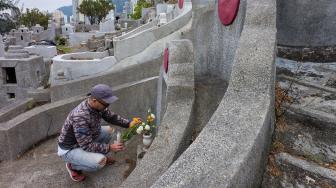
point(82, 127)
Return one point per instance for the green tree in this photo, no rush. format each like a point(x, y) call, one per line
point(95, 10)
point(34, 16)
point(138, 8)
point(8, 4)
point(8, 21)
point(103, 8)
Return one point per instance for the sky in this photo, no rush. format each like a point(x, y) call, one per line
point(45, 5)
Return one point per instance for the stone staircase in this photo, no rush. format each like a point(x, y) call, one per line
point(303, 152)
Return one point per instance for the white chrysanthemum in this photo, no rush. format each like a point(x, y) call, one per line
point(147, 127)
point(152, 116)
point(139, 130)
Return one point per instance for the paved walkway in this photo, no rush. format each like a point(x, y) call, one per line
point(41, 167)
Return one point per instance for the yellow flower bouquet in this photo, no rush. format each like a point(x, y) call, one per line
point(140, 127)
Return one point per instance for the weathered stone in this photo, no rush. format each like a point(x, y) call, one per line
point(297, 172)
point(309, 133)
point(313, 54)
point(331, 82)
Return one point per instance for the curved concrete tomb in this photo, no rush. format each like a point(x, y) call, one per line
point(77, 65)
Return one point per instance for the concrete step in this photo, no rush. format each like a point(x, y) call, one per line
point(298, 172)
point(309, 133)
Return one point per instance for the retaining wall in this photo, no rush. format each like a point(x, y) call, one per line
point(306, 30)
point(27, 129)
point(15, 108)
point(115, 78)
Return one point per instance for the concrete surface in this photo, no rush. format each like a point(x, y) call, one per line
point(16, 108)
point(209, 92)
point(306, 35)
point(297, 26)
point(215, 45)
point(232, 148)
point(41, 167)
point(47, 52)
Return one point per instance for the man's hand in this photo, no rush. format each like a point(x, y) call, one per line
point(134, 122)
point(117, 147)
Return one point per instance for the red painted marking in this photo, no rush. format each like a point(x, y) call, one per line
point(227, 10)
point(166, 60)
point(180, 3)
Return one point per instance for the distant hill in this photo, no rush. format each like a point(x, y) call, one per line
point(67, 10)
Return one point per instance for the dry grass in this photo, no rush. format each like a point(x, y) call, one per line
point(171, 1)
point(281, 97)
point(131, 166)
point(324, 184)
point(272, 167)
point(278, 147)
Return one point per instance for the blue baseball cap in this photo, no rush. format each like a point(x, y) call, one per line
point(103, 92)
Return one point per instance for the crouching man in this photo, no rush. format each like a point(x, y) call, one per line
point(83, 142)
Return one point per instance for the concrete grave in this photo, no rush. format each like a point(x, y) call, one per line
point(21, 72)
point(77, 65)
point(107, 25)
point(67, 29)
point(22, 36)
point(37, 29)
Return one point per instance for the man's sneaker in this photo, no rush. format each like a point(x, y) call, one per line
point(110, 160)
point(75, 175)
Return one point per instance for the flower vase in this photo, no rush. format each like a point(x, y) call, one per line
point(147, 140)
